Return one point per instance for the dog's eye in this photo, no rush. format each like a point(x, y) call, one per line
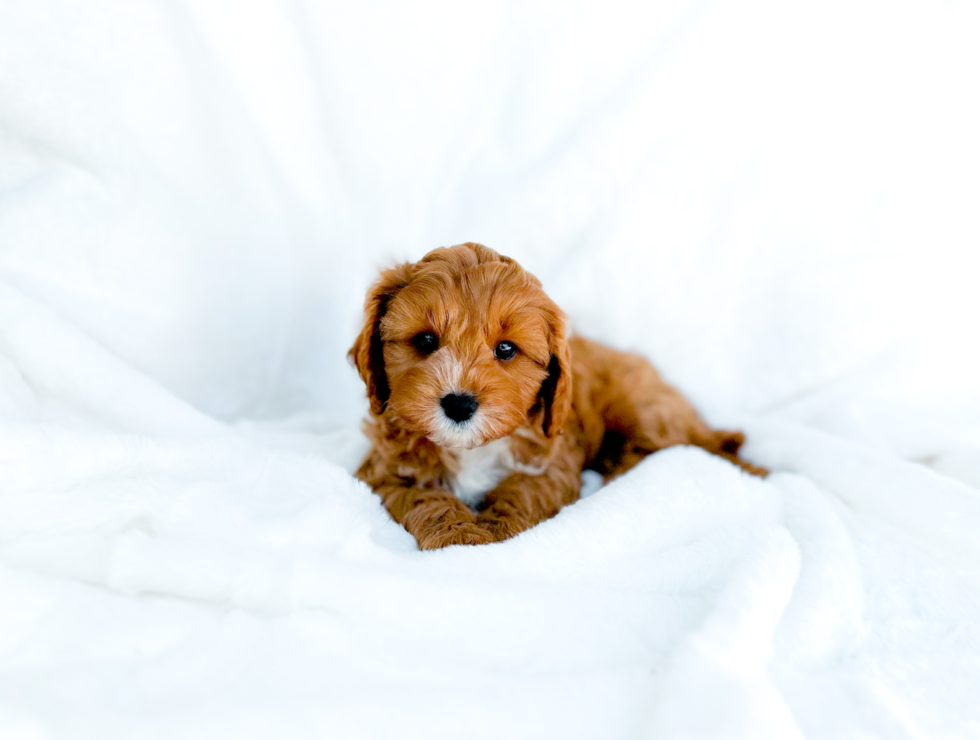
point(426, 342)
point(505, 350)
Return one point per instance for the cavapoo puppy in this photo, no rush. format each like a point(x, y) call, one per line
point(484, 412)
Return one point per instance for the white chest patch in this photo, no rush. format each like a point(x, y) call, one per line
point(479, 470)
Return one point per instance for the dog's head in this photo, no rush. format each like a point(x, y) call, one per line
point(463, 347)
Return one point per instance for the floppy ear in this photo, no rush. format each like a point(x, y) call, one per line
point(367, 354)
point(555, 395)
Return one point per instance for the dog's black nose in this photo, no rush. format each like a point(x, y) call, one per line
point(459, 407)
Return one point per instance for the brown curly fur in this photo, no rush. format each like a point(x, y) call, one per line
point(562, 404)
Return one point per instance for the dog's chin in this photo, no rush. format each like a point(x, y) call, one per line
point(461, 439)
point(453, 445)
point(460, 436)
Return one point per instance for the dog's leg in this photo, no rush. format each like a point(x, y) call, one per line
point(726, 444)
point(643, 414)
point(435, 518)
point(521, 500)
point(411, 490)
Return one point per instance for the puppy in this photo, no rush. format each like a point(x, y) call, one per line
point(484, 412)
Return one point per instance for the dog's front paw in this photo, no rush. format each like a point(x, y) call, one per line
point(463, 533)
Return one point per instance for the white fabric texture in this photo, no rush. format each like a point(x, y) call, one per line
point(776, 204)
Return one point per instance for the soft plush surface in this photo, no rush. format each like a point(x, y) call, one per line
point(777, 205)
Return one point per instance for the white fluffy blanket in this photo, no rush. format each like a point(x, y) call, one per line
point(776, 204)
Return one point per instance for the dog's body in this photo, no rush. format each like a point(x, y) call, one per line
point(483, 413)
